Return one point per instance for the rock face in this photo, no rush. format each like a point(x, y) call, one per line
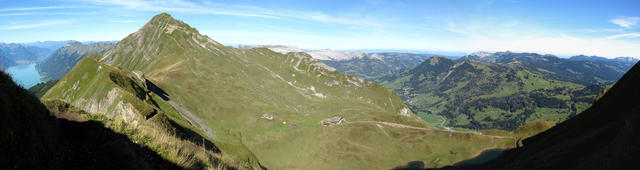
point(64, 59)
point(332, 121)
point(220, 92)
point(92, 87)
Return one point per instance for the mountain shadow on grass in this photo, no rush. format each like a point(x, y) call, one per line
point(184, 133)
point(157, 90)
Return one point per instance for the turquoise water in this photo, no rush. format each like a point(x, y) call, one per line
point(24, 75)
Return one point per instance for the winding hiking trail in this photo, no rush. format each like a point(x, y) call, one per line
point(444, 120)
point(397, 125)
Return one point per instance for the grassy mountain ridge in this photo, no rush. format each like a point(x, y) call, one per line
point(220, 93)
point(484, 95)
point(121, 99)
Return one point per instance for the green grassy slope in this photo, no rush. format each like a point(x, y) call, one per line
point(221, 92)
point(479, 95)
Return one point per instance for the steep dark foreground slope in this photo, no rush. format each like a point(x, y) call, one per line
point(31, 138)
point(605, 136)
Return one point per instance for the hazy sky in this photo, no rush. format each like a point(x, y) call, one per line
point(607, 28)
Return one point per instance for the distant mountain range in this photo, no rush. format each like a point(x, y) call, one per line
point(369, 66)
point(376, 65)
point(598, 58)
point(64, 59)
point(48, 44)
point(20, 53)
point(323, 54)
point(579, 69)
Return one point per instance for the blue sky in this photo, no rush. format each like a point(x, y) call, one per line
point(606, 28)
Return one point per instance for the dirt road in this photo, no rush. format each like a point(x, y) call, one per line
point(397, 125)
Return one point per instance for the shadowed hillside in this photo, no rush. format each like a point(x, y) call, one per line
point(605, 136)
point(32, 138)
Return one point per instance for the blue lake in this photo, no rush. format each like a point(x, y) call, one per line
point(24, 75)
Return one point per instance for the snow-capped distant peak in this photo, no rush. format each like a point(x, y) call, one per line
point(328, 54)
point(324, 54)
point(626, 59)
point(285, 49)
point(481, 54)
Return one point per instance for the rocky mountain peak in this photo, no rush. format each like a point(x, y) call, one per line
point(74, 43)
point(162, 34)
point(436, 60)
